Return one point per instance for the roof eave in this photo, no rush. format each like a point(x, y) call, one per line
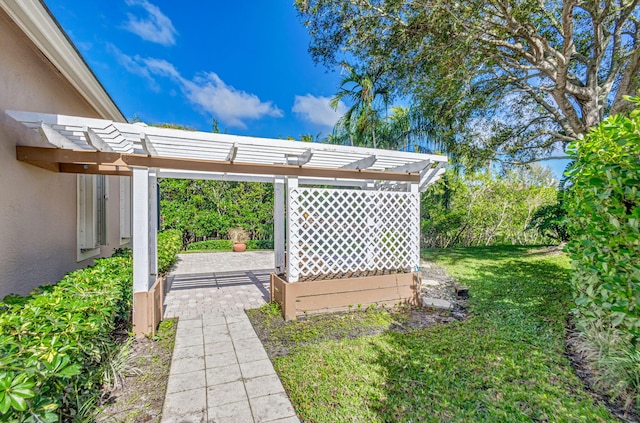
point(41, 27)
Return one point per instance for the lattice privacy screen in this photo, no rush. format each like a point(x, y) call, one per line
point(334, 231)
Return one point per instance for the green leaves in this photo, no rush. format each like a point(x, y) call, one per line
point(53, 343)
point(603, 206)
point(199, 208)
point(169, 245)
point(14, 391)
point(468, 65)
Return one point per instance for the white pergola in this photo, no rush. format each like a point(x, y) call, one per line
point(381, 195)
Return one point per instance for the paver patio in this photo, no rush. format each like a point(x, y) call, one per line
point(220, 371)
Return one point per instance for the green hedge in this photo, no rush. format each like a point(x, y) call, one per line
point(169, 245)
point(227, 245)
point(55, 344)
point(604, 220)
point(212, 244)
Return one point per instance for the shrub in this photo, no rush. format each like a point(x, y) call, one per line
point(604, 221)
point(260, 244)
point(54, 343)
point(212, 244)
point(169, 245)
point(227, 245)
point(615, 363)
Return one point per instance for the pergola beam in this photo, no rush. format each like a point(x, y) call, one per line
point(94, 169)
point(363, 163)
point(53, 155)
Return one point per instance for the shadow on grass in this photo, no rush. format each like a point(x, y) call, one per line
point(505, 363)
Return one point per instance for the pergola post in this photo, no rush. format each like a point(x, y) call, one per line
point(278, 225)
point(145, 244)
point(292, 271)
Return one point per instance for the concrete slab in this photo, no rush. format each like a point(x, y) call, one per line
point(179, 382)
point(187, 365)
point(226, 374)
point(220, 359)
point(271, 407)
point(263, 385)
point(227, 393)
point(185, 403)
point(436, 303)
point(188, 352)
point(256, 368)
point(237, 412)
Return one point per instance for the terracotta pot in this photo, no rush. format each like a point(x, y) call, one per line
point(239, 247)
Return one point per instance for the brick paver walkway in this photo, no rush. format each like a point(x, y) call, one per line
point(220, 371)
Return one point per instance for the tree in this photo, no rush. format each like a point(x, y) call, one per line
point(406, 129)
point(510, 80)
point(364, 88)
point(479, 208)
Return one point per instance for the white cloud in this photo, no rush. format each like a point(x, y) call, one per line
point(207, 91)
point(133, 65)
point(155, 27)
point(229, 104)
point(317, 110)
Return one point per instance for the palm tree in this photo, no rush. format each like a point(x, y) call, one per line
point(364, 89)
point(407, 129)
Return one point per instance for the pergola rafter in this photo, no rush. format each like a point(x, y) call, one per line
point(117, 147)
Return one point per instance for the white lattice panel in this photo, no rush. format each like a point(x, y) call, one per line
point(341, 231)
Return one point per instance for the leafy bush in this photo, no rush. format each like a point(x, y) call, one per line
point(208, 209)
point(604, 222)
point(227, 245)
point(54, 343)
point(472, 208)
point(169, 245)
point(259, 244)
point(212, 244)
point(550, 220)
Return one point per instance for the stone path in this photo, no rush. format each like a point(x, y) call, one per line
point(220, 371)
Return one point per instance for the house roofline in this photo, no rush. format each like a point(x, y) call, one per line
point(37, 22)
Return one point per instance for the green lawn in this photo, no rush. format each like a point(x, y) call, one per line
point(504, 363)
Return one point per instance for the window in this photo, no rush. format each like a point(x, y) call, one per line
point(125, 209)
point(92, 215)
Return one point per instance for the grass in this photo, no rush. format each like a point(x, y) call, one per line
point(504, 363)
point(280, 337)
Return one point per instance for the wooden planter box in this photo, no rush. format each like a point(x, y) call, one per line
point(299, 298)
point(148, 308)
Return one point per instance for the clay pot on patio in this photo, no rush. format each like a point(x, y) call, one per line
point(238, 236)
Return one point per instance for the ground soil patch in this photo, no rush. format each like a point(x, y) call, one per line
point(280, 337)
point(140, 393)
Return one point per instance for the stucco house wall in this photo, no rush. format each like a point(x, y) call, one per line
point(38, 218)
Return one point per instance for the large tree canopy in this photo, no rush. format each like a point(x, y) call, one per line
point(514, 80)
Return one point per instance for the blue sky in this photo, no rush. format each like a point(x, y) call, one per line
point(244, 63)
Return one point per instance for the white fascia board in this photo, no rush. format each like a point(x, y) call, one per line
point(39, 25)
